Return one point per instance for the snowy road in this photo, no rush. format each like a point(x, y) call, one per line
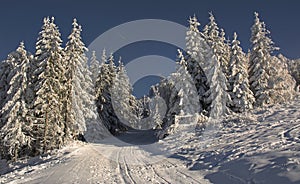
point(108, 163)
point(261, 146)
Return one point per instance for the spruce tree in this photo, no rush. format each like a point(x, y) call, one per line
point(6, 73)
point(193, 59)
point(104, 83)
point(15, 134)
point(122, 99)
point(186, 89)
point(94, 66)
point(48, 124)
point(293, 67)
point(225, 52)
point(241, 95)
point(216, 40)
point(79, 101)
point(281, 81)
point(216, 97)
point(181, 98)
point(156, 117)
point(73, 48)
point(260, 63)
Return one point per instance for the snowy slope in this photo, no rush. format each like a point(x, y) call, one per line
point(258, 147)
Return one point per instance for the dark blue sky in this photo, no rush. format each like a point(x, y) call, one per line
point(22, 20)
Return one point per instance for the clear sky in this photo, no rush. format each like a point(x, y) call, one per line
point(22, 20)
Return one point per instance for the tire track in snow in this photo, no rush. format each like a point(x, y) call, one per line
point(119, 168)
point(126, 169)
point(146, 165)
point(123, 168)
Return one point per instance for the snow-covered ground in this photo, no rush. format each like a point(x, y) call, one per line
point(103, 163)
point(262, 146)
point(258, 147)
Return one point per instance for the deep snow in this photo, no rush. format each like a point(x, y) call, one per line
point(261, 146)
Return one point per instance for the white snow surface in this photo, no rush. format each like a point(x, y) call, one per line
point(261, 146)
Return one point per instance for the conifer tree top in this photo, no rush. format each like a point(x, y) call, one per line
point(21, 48)
point(194, 23)
point(211, 29)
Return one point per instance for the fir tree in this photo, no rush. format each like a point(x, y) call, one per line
point(260, 63)
point(156, 117)
point(80, 88)
point(167, 91)
point(15, 134)
point(181, 98)
point(185, 88)
point(225, 52)
point(94, 66)
point(48, 125)
point(281, 81)
point(212, 34)
point(216, 40)
point(216, 97)
point(7, 69)
point(193, 59)
point(241, 95)
point(103, 58)
point(73, 50)
point(104, 83)
point(293, 66)
point(122, 99)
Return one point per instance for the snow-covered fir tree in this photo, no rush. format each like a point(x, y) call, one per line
point(185, 87)
point(265, 78)
point(6, 73)
point(225, 52)
point(102, 93)
point(216, 40)
point(169, 94)
point(144, 111)
point(94, 66)
point(180, 96)
point(145, 102)
point(294, 67)
point(104, 83)
point(81, 115)
point(15, 134)
point(281, 81)
point(241, 95)
point(94, 129)
point(216, 96)
point(193, 41)
point(260, 56)
point(74, 47)
point(48, 122)
point(156, 114)
point(121, 95)
point(193, 37)
point(5, 68)
point(80, 88)
point(89, 100)
point(103, 59)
